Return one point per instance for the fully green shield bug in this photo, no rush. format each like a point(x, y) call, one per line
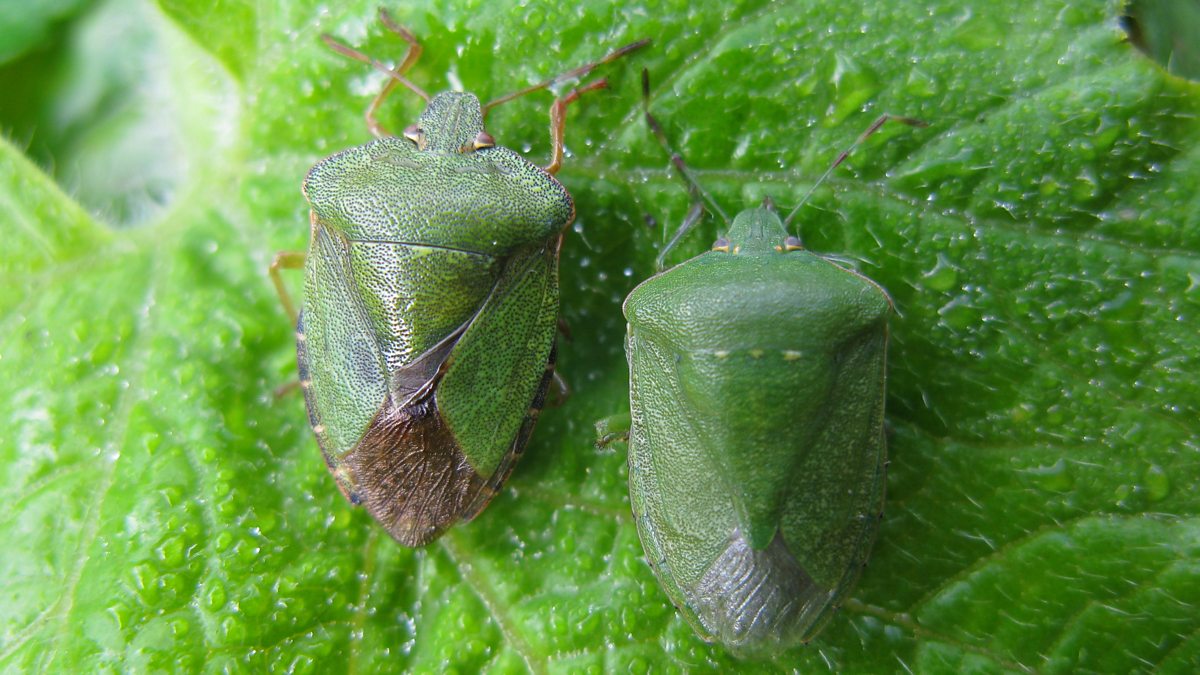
point(426, 337)
point(756, 447)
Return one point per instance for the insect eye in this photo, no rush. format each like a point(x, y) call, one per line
point(415, 134)
point(484, 140)
point(792, 244)
point(721, 244)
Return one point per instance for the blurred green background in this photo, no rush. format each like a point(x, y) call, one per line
point(1041, 239)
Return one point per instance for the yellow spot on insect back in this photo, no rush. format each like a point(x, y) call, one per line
point(789, 355)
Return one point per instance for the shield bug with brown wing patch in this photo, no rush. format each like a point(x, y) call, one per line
point(426, 336)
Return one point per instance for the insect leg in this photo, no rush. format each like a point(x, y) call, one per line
point(676, 159)
point(612, 429)
point(558, 122)
point(700, 196)
point(286, 260)
point(562, 391)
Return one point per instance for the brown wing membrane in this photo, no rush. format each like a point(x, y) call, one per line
point(411, 475)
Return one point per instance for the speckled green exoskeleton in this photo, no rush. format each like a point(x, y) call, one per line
point(426, 337)
point(756, 448)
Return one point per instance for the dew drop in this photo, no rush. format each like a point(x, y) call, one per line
point(1158, 483)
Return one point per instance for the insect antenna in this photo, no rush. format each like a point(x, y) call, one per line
point(875, 126)
point(397, 73)
point(577, 72)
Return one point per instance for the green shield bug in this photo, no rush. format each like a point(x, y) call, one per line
point(425, 340)
point(756, 448)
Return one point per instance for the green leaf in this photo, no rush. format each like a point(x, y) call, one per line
point(1041, 239)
